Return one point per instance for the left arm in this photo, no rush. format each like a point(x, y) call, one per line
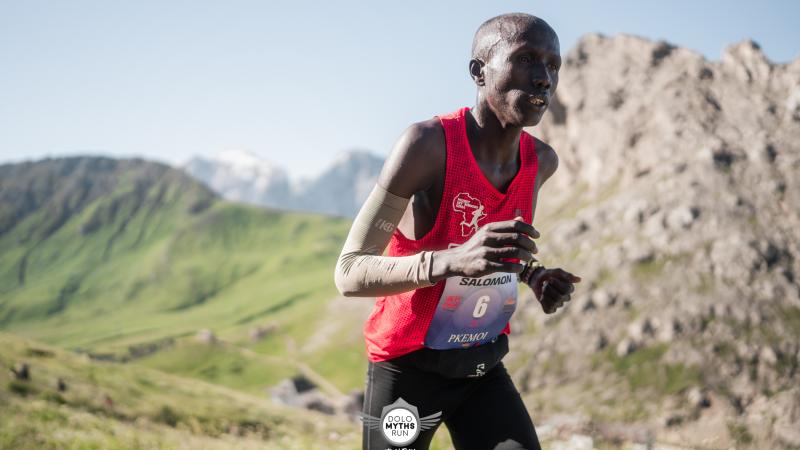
point(548, 163)
point(552, 287)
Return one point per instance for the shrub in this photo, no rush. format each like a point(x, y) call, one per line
point(167, 415)
point(21, 388)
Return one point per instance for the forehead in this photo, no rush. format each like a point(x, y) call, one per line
point(535, 37)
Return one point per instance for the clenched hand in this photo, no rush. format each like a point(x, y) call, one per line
point(489, 250)
point(552, 287)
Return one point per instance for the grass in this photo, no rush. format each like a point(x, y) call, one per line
point(111, 405)
point(791, 318)
point(604, 277)
point(132, 276)
point(739, 433)
point(148, 275)
point(580, 197)
point(648, 269)
point(705, 285)
point(644, 381)
point(21, 388)
point(644, 371)
point(220, 364)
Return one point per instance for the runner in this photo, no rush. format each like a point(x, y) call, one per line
point(455, 203)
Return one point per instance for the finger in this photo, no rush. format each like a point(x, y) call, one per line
point(496, 254)
point(515, 225)
point(496, 239)
point(556, 301)
point(524, 227)
point(560, 287)
point(551, 296)
point(543, 283)
point(506, 267)
point(563, 274)
point(557, 287)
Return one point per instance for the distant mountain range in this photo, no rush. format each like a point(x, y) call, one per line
point(242, 176)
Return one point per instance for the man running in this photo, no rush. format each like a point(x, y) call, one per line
point(448, 285)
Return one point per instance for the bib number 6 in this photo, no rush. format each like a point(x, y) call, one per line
point(481, 306)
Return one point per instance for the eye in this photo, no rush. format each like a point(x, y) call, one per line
point(524, 59)
point(553, 66)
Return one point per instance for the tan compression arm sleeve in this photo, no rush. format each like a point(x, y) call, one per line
point(361, 271)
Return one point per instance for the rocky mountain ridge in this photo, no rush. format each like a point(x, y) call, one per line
point(678, 201)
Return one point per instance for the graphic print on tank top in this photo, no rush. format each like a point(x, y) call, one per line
point(472, 210)
point(472, 311)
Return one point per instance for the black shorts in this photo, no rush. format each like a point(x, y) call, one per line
point(479, 404)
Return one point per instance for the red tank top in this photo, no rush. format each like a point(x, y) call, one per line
point(402, 323)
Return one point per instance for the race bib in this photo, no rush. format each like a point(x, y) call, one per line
point(472, 311)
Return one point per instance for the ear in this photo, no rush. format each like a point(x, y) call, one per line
point(476, 71)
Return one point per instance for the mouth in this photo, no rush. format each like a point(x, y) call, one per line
point(538, 100)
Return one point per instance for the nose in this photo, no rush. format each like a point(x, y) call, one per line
point(540, 77)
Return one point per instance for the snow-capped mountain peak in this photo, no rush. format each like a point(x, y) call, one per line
point(241, 175)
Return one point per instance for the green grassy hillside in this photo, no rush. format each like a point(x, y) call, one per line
point(112, 405)
point(121, 257)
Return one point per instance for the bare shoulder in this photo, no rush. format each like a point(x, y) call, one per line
point(548, 160)
point(417, 159)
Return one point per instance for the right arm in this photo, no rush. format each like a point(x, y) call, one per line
point(361, 271)
point(416, 161)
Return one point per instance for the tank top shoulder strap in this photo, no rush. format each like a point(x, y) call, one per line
point(454, 125)
point(528, 151)
point(436, 237)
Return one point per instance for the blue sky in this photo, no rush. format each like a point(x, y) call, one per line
point(295, 82)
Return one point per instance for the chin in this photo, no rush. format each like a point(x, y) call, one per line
point(529, 119)
point(534, 121)
point(519, 114)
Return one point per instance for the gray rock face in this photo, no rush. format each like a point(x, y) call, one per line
point(677, 200)
point(301, 392)
point(206, 336)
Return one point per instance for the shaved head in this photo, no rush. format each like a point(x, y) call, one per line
point(515, 62)
point(504, 29)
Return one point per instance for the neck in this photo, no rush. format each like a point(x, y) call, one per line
point(492, 141)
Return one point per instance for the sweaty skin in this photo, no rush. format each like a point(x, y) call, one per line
point(515, 63)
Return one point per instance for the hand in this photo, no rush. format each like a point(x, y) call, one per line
point(489, 249)
point(552, 287)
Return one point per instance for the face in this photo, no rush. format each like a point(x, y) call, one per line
point(521, 76)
